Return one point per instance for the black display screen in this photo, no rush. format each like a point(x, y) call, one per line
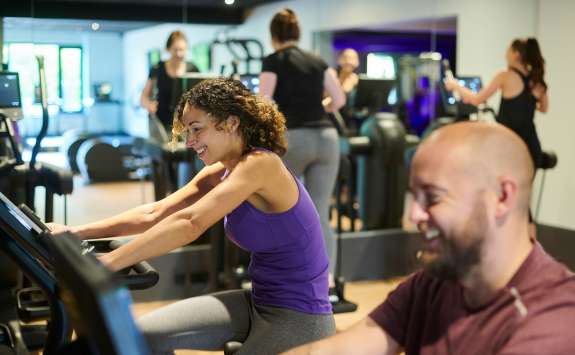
point(9, 90)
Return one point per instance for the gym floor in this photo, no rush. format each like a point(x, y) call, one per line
point(95, 201)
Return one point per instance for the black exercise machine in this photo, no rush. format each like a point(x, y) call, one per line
point(19, 180)
point(26, 241)
point(21, 243)
point(373, 169)
point(97, 303)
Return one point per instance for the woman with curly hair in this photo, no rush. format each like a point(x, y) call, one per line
point(240, 138)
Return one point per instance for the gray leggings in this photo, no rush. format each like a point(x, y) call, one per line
point(313, 154)
point(208, 322)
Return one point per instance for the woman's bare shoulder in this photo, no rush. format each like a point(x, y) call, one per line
point(213, 173)
point(262, 159)
point(260, 167)
point(506, 74)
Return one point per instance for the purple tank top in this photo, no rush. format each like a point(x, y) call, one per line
point(289, 262)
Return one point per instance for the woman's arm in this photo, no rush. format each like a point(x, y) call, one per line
point(334, 90)
point(142, 218)
point(268, 82)
point(149, 105)
point(188, 224)
point(480, 97)
point(542, 100)
point(364, 338)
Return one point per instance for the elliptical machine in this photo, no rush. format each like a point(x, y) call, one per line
point(19, 180)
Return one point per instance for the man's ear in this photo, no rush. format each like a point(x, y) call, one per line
point(232, 123)
point(508, 192)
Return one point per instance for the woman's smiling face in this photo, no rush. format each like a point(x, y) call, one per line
point(203, 136)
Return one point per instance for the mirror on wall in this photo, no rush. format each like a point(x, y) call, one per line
point(409, 53)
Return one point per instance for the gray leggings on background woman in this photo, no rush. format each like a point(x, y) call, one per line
point(208, 322)
point(313, 156)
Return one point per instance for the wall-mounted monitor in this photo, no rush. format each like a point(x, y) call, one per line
point(375, 94)
point(10, 100)
point(458, 108)
point(103, 92)
point(251, 81)
point(380, 66)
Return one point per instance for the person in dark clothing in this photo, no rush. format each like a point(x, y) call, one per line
point(487, 286)
point(523, 90)
point(297, 81)
point(160, 94)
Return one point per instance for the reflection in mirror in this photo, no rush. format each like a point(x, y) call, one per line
point(409, 52)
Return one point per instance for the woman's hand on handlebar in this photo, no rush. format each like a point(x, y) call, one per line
point(107, 261)
point(56, 228)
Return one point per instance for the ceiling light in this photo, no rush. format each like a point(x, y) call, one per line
point(229, 2)
point(95, 26)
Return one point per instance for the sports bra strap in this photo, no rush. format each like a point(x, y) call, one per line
point(524, 77)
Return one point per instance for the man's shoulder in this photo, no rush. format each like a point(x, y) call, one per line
point(543, 273)
point(553, 292)
point(547, 326)
point(548, 293)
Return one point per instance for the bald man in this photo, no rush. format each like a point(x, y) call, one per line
point(486, 287)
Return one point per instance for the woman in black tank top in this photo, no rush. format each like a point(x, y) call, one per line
point(160, 94)
point(523, 90)
point(518, 113)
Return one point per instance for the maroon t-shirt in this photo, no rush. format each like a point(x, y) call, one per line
point(533, 314)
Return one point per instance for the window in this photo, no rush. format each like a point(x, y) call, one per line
point(71, 79)
point(63, 66)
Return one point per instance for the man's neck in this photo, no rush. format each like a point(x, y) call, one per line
point(500, 262)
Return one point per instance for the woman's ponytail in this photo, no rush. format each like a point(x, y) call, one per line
point(535, 62)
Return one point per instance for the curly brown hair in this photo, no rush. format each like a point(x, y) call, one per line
point(261, 124)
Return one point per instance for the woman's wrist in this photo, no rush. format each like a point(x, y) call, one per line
point(79, 231)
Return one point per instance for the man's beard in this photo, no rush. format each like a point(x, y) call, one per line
point(459, 255)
